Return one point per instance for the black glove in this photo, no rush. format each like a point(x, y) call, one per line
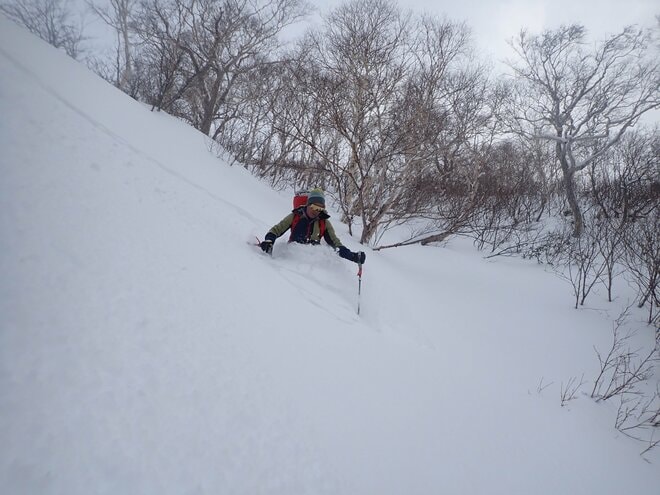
point(346, 253)
point(267, 244)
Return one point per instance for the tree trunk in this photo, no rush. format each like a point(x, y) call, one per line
point(569, 187)
point(127, 76)
point(578, 226)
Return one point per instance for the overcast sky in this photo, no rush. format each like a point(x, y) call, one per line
point(495, 21)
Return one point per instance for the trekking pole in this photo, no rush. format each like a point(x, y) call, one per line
point(359, 274)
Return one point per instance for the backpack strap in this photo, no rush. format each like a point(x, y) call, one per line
point(294, 222)
point(297, 213)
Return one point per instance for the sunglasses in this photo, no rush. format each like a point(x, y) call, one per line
point(317, 208)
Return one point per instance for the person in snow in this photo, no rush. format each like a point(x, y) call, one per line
point(308, 225)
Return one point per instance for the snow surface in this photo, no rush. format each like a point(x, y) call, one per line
point(146, 348)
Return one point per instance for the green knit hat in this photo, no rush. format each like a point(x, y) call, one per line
point(316, 197)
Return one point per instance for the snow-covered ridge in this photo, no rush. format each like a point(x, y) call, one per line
point(146, 347)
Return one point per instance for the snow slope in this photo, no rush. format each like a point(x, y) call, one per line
point(146, 348)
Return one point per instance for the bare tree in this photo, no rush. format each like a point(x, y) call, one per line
point(583, 100)
point(118, 16)
point(51, 20)
point(458, 110)
point(363, 59)
point(348, 83)
point(378, 97)
point(229, 41)
point(162, 27)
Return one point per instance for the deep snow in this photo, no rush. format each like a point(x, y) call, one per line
point(146, 347)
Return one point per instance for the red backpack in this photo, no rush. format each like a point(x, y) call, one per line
point(299, 201)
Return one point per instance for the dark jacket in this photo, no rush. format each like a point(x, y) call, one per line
point(306, 230)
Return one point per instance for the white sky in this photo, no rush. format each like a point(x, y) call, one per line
point(495, 21)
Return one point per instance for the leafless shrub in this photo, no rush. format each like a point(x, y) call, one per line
point(609, 241)
point(514, 198)
point(622, 369)
point(548, 248)
point(642, 261)
point(623, 373)
point(639, 418)
point(582, 265)
point(624, 185)
point(542, 386)
point(570, 390)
